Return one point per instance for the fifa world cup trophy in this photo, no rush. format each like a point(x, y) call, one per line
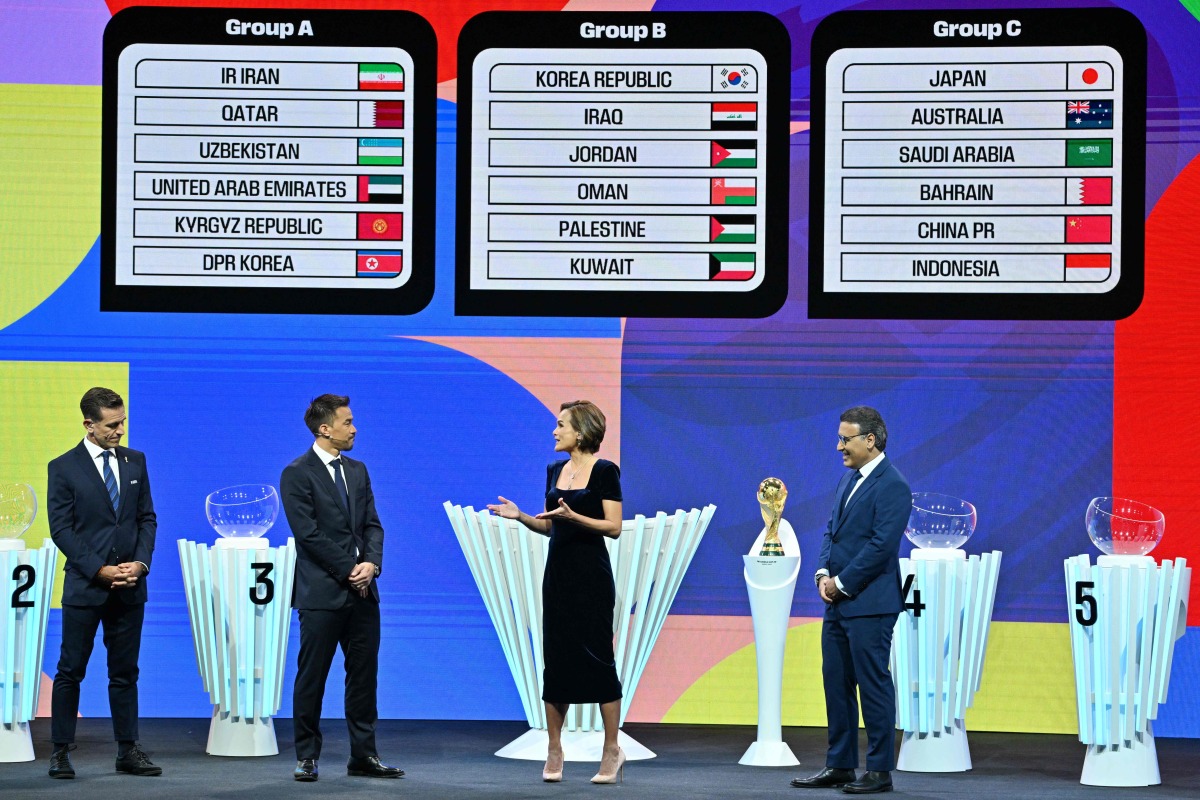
point(772, 494)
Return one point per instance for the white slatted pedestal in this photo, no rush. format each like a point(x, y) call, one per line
point(1125, 615)
point(28, 581)
point(507, 561)
point(239, 595)
point(937, 654)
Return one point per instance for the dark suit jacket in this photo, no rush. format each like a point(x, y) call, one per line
point(326, 537)
point(861, 545)
point(87, 530)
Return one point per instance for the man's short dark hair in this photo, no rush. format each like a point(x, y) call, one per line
point(868, 420)
point(322, 410)
point(96, 399)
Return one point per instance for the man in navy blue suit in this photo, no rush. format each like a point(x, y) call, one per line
point(859, 581)
point(102, 519)
point(339, 553)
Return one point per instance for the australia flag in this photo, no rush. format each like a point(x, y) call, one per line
point(1089, 113)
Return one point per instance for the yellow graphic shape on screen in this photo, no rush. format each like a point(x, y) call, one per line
point(50, 189)
point(1028, 666)
point(42, 400)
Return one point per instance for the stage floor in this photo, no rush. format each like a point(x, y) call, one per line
point(449, 760)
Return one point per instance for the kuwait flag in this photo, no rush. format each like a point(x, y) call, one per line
point(733, 191)
point(735, 116)
point(381, 152)
point(730, 266)
point(380, 226)
point(732, 228)
point(380, 188)
point(381, 76)
point(1092, 229)
point(1089, 191)
point(380, 263)
point(737, 153)
point(381, 114)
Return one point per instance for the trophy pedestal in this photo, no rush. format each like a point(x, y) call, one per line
point(770, 582)
point(15, 743)
point(577, 746)
point(946, 751)
point(1135, 765)
point(233, 736)
point(23, 621)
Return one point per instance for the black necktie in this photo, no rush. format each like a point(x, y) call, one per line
point(341, 483)
point(849, 488)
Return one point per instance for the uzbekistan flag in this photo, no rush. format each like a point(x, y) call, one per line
point(733, 191)
point(381, 114)
point(1090, 229)
point(381, 152)
point(732, 228)
point(380, 263)
point(381, 188)
point(736, 153)
point(735, 116)
point(1089, 191)
point(730, 266)
point(1089, 113)
point(1088, 267)
point(380, 226)
point(381, 76)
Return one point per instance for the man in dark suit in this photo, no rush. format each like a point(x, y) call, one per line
point(102, 519)
point(339, 552)
point(859, 581)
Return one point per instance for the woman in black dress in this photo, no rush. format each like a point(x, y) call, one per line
point(583, 505)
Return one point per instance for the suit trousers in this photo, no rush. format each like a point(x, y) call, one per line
point(123, 640)
point(854, 657)
point(354, 626)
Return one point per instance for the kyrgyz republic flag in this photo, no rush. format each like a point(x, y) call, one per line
point(733, 191)
point(380, 263)
point(381, 114)
point(381, 152)
point(732, 228)
point(381, 76)
point(1089, 191)
point(1090, 229)
point(735, 153)
point(381, 188)
point(380, 226)
point(730, 266)
point(735, 116)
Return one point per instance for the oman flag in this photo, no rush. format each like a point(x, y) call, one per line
point(381, 76)
point(380, 226)
point(733, 191)
point(1090, 229)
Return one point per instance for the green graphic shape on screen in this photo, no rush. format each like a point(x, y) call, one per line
point(44, 396)
point(50, 182)
point(1193, 7)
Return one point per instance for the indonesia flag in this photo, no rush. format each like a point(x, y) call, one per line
point(380, 263)
point(380, 226)
point(1088, 267)
point(734, 191)
point(1089, 191)
point(381, 114)
point(381, 76)
point(1089, 230)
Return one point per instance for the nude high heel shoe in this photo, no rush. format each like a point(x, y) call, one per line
point(617, 773)
point(551, 776)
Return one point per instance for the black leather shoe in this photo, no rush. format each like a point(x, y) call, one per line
point(60, 764)
point(870, 783)
point(828, 778)
point(371, 767)
point(306, 770)
point(136, 762)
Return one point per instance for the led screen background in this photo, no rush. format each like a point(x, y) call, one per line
point(1028, 420)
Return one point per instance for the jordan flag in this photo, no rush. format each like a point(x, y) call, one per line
point(1090, 229)
point(1089, 191)
point(380, 263)
point(380, 226)
point(739, 153)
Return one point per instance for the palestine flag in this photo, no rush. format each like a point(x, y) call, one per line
point(732, 228)
point(730, 266)
point(735, 116)
point(381, 114)
point(380, 263)
point(380, 188)
point(381, 152)
point(735, 153)
point(381, 76)
point(733, 191)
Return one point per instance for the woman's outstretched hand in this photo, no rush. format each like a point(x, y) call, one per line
point(562, 512)
point(506, 508)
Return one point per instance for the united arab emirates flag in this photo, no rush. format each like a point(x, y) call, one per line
point(730, 266)
point(732, 228)
point(381, 76)
point(381, 188)
point(733, 191)
point(735, 153)
point(380, 263)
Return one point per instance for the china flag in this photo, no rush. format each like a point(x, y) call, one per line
point(1089, 229)
point(380, 226)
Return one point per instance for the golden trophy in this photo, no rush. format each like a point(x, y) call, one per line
point(772, 494)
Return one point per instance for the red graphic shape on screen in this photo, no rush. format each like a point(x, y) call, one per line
point(1090, 76)
point(380, 226)
point(1089, 260)
point(1089, 230)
